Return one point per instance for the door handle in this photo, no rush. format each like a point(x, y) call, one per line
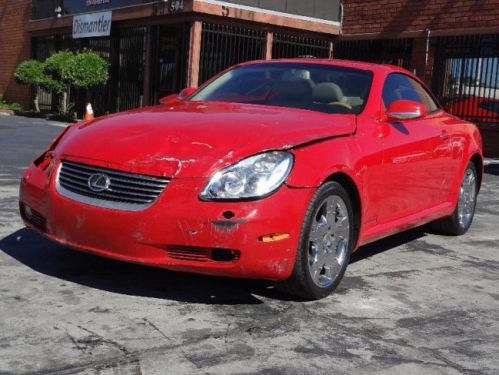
point(444, 136)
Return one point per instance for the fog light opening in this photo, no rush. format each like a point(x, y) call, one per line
point(222, 255)
point(28, 212)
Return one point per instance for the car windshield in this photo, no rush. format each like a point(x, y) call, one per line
point(315, 87)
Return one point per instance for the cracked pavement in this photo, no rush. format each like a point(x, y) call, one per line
point(415, 303)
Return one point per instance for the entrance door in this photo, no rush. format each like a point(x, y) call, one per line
point(171, 61)
point(131, 68)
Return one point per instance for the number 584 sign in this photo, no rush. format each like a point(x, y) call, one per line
point(176, 6)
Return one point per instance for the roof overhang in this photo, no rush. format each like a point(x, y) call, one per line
point(212, 8)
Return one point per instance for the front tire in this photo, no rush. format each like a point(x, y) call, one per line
point(461, 219)
point(326, 242)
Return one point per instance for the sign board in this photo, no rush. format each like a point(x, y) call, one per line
point(83, 6)
point(97, 2)
point(92, 25)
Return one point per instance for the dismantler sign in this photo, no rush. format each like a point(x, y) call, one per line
point(91, 25)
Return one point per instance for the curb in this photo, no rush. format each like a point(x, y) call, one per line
point(489, 161)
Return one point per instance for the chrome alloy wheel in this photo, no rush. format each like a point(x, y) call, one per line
point(467, 198)
point(328, 241)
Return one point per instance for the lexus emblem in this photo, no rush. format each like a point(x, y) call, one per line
point(99, 182)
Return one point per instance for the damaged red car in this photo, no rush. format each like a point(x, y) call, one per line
point(272, 170)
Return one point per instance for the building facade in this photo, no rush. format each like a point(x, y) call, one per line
point(452, 45)
point(159, 47)
point(15, 47)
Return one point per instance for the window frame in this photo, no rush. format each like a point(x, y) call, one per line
point(418, 81)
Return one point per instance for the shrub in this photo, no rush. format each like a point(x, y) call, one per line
point(88, 69)
point(32, 73)
point(62, 71)
point(9, 106)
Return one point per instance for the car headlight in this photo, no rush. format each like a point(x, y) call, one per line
point(254, 177)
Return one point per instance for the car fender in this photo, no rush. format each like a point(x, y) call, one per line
point(472, 147)
point(315, 163)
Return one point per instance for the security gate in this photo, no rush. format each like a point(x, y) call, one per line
point(124, 50)
point(131, 64)
point(466, 79)
point(291, 46)
point(225, 45)
point(381, 51)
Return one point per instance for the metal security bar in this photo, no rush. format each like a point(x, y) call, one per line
point(466, 77)
point(290, 46)
point(101, 97)
point(125, 52)
point(382, 51)
point(131, 68)
point(223, 46)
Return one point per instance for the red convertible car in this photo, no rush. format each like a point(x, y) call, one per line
point(274, 170)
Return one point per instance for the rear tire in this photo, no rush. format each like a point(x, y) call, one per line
point(326, 242)
point(461, 219)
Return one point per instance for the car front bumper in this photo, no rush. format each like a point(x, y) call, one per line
point(178, 231)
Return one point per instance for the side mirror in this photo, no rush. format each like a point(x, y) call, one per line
point(406, 110)
point(169, 99)
point(176, 97)
point(186, 92)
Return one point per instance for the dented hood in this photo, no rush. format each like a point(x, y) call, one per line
point(194, 139)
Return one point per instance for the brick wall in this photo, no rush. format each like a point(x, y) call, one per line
point(15, 46)
point(377, 16)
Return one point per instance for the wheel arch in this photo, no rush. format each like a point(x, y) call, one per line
point(353, 192)
point(477, 160)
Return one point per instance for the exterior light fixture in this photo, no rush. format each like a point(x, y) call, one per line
point(58, 11)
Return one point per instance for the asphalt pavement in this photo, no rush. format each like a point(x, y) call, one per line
point(415, 303)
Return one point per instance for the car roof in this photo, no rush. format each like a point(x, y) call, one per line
point(335, 62)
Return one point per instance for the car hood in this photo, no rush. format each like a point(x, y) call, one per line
point(194, 139)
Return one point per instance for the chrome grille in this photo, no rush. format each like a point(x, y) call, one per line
point(125, 191)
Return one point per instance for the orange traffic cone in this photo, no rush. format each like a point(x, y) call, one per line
point(89, 114)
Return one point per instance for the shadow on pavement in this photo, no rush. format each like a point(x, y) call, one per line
point(386, 244)
point(49, 258)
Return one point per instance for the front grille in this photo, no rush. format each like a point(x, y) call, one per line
point(126, 191)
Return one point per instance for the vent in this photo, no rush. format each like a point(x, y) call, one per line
point(199, 254)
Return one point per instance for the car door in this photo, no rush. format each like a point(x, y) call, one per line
point(414, 153)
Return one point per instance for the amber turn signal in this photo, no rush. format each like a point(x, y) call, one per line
point(274, 237)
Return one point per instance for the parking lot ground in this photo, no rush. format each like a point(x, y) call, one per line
point(415, 303)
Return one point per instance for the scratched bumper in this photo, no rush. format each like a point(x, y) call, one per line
point(177, 219)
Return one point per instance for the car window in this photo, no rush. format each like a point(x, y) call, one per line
point(401, 87)
point(315, 87)
point(425, 96)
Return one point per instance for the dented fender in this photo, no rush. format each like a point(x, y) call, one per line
point(315, 163)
